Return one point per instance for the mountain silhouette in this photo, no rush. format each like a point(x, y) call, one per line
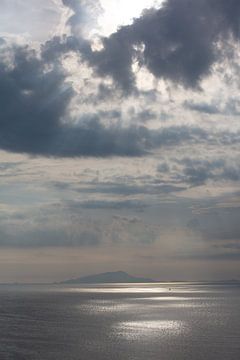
point(108, 277)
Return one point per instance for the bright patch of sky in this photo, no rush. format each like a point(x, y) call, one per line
point(122, 12)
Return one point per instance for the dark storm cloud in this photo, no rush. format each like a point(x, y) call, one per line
point(34, 98)
point(179, 42)
point(176, 42)
point(33, 101)
point(91, 138)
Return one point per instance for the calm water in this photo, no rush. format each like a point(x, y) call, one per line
point(125, 322)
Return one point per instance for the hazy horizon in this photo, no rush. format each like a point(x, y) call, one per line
point(154, 280)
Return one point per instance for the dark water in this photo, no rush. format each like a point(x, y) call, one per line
point(125, 322)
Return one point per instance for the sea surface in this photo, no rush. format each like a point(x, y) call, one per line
point(160, 321)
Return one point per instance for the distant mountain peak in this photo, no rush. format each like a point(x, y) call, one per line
point(108, 277)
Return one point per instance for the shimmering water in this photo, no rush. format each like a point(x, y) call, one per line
point(126, 322)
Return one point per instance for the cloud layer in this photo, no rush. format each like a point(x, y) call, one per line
point(178, 42)
point(123, 146)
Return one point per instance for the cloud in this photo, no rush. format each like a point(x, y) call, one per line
point(35, 94)
point(49, 225)
point(25, 18)
point(136, 205)
point(143, 116)
point(178, 42)
point(50, 237)
point(5, 166)
point(197, 172)
point(34, 100)
point(84, 17)
point(217, 224)
point(231, 107)
point(67, 225)
point(202, 107)
point(120, 189)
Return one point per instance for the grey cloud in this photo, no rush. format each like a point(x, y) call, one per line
point(33, 102)
point(179, 42)
point(10, 169)
point(128, 189)
point(163, 168)
point(133, 220)
point(45, 237)
point(85, 14)
point(202, 107)
point(107, 204)
point(232, 172)
point(197, 172)
point(34, 99)
point(220, 224)
point(51, 225)
point(217, 256)
point(232, 107)
point(35, 95)
point(231, 245)
point(70, 226)
point(104, 94)
point(174, 135)
point(26, 17)
point(145, 115)
point(9, 165)
point(112, 114)
point(114, 60)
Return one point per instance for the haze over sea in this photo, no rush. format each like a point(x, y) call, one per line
point(120, 321)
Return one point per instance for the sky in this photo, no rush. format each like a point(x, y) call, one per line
point(119, 139)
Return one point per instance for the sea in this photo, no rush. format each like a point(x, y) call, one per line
point(154, 321)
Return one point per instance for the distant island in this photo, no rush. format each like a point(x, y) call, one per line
point(108, 277)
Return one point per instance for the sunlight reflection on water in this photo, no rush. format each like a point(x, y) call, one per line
point(144, 288)
point(155, 328)
point(136, 305)
point(120, 321)
point(119, 289)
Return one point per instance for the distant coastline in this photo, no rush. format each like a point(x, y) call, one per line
point(108, 277)
point(120, 277)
